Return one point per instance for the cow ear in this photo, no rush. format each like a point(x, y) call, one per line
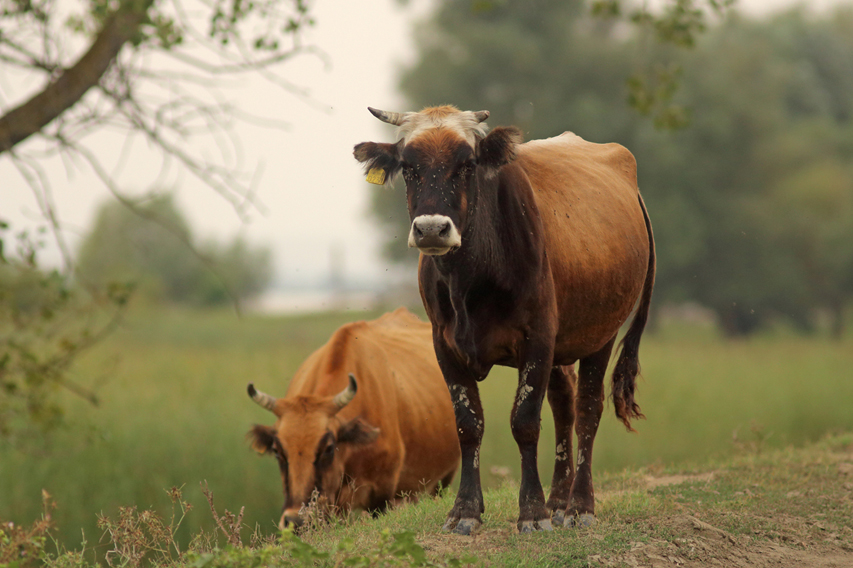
point(498, 147)
point(357, 431)
point(262, 438)
point(376, 157)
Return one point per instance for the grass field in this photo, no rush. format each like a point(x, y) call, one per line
point(174, 413)
point(788, 507)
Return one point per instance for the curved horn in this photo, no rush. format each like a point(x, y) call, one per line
point(481, 115)
point(344, 397)
point(395, 118)
point(262, 398)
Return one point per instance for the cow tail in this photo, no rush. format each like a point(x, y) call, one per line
point(628, 364)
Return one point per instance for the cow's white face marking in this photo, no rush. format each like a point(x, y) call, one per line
point(439, 230)
point(463, 123)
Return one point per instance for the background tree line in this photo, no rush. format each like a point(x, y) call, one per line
point(143, 250)
point(751, 201)
point(151, 247)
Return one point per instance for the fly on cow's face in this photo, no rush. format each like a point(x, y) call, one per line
point(410, 173)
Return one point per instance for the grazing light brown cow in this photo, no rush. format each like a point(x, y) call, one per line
point(533, 256)
point(366, 419)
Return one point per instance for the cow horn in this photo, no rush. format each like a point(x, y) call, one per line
point(344, 397)
point(481, 115)
point(395, 118)
point(262, 398)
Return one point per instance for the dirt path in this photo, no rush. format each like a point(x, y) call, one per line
point(703, 545)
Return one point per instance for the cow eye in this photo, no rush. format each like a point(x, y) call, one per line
point(279, 451)
point(467, 166)
point(327, 455)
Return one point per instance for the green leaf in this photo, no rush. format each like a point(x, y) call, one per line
point(203, 560)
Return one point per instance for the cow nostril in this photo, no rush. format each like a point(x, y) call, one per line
point(445, 230)
point(418, 232)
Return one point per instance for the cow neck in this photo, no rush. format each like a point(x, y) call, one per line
point(499, 222)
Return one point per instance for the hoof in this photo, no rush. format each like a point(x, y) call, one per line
point(463, 527)
point(558, 517)
point(533, 526)
point(582, 521)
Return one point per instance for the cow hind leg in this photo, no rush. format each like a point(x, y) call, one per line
point(561, 397)
point(588, 408)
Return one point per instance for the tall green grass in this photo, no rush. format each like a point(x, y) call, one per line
point(174, 412)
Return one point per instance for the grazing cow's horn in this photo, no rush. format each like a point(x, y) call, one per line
point(395, 118)
point(344, 397)
point(262, 398)
point(481, 115)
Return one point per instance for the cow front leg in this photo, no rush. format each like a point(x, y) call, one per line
point(561, 397)
point(465, 516)
point(589, 406)
point(526, 413)
point(383, 495)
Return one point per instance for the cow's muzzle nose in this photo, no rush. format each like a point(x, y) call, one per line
point(423, 229)
point(434, 234)
point(291, 520)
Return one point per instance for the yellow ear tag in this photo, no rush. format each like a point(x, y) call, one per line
point(376, 176)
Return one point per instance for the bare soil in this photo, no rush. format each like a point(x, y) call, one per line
point(704, 545)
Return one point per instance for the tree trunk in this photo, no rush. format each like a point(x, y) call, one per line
point(57, 97)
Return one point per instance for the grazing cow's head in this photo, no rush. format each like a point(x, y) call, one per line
point(311, 444)
point(444, 154)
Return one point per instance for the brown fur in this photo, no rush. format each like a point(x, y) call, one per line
point(396, 437)
point(595, 236)
point(437, 145)
point(556, 250)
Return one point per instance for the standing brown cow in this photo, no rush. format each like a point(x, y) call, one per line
point(361, 443)
point(533, 256)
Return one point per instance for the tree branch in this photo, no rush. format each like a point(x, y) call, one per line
point(57, 97)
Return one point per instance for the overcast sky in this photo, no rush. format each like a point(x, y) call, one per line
point(311, 190)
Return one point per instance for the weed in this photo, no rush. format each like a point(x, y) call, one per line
point(394, 549)
point(144, 538)
point(136, 535)
point(25, 546)
point(228, 523)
